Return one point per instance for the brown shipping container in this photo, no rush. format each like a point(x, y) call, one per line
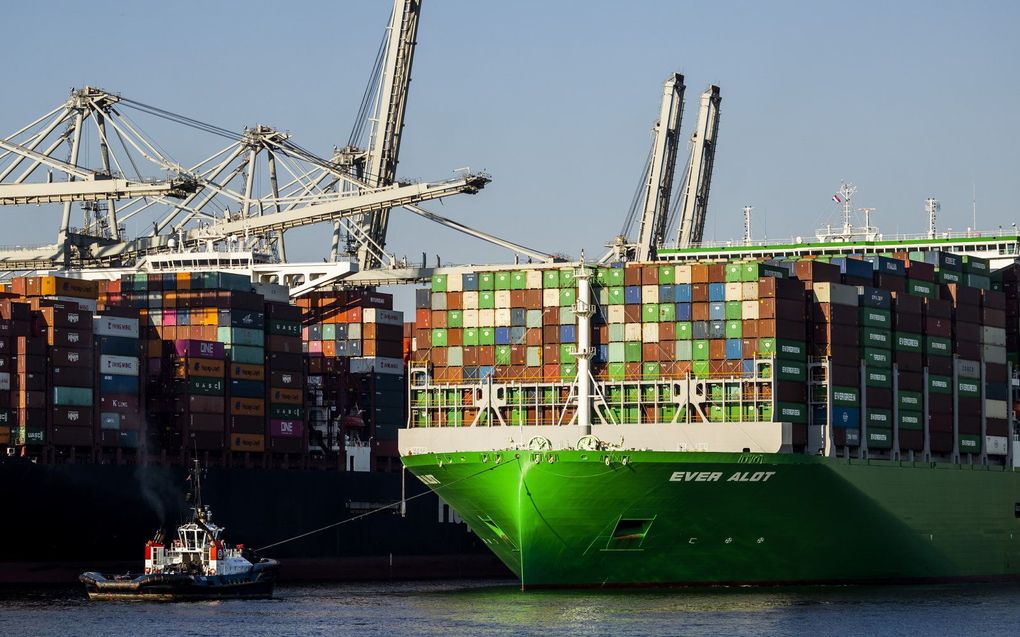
point(911, 440)
point(31, 346)
point(72, 416)
point(773, 287)
point(919, 270)
point(996, 427)
point(63, 337)
point(878, 397)
point(910, 361)
point(286, 379)
point(961, 294)
point(64, 435)
point(940, 365)
point(910, 381)
point(786, 309)
point(906, 322)
point(31, 400)
point(72, 376)
point(833, 313)
point(938, 308)
point(32, 417)
point(286, 445)
point(285, 361)
point(936, 326)
point(940, 403)
point(890, 282)
point(993, 299)
point(967, 314)
point(202, 404)
point(283, 344)
point(64, 357)
point(941, 441)
point(246, 424)
point(201, 422)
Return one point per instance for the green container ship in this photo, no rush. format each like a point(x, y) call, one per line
point(838, 458)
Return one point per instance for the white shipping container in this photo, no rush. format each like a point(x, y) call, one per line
point(649, 294)
point(377, 365)
point(439, 300)
point(382, 317)
point(5, 381)
point(632, 332)
point(455, 356)
point(533, 318)
point(470, 317)
point(502, 299)
point(533, 279)
point(354, 331)
point(835, 293)
point(551, 297)
point(616, 314)
point(996, 409)
point(749, 310)
point(502, 318)
point(272, 292)
point(118, 365)
point(649, 332)
point(486, 318)
point(734, 292)
point(996, 445)
point(470, 300)
point(454, 283)
point(683, 274)
point(749, 290)
point(968, 369)
point(993, 336)
point(994, 354)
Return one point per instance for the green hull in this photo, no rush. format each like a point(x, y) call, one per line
point(589, 518)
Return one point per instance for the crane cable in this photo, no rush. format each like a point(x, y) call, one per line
point(383, 508)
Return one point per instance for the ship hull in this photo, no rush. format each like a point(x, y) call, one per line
point(72, 518)
point(256, 583)
point(653, 518)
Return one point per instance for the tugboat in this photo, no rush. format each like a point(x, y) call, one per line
point(197, 565)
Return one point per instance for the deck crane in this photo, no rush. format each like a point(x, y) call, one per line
point(657, 181)
point(691, 228)
point(377, 165)
point(659, 186)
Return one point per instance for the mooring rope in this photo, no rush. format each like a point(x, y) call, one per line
point(383, 508)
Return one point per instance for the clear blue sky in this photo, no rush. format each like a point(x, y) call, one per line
point(556, 100)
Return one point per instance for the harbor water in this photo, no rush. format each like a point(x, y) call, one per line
point(476, 608)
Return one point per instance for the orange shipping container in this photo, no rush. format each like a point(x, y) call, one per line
point(204, 367)
point(61, 286)
point(247, 442)
point(247, 372)
point(247, 407)
point(285, 396)
point(329, 348)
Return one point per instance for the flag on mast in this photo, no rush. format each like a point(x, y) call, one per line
point(837, 198)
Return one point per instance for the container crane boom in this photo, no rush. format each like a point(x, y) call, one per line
point(699, 174)
point(660, 174)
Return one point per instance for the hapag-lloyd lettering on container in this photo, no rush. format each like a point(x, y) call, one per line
point(716, 476)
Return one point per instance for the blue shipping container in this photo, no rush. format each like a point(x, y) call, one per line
point(683, 311)
point(717, 311)
point(632, 295)
point(734, 349)
point(682, 292)
point(846, 417)
point(502, 336)
point(667, 294)
point(118, 385)
point(716, 292)
point(568, 333)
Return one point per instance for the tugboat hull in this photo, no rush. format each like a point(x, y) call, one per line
point(257, 583)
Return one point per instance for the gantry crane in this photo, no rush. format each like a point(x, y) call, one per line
point(659, 186)
point(694, 207)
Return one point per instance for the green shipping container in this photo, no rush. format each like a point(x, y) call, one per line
point(969, 388)
point(940, 384)
point(734, 329)
point(567, 279)
point(874, 357)
point(487, 300)
point(551, 279)
point(503, 354)
point(908, 342)
point(913, 420)
point(78, 396)
point(486, 281)
point(650, 313)
point(734, 272)
point(791, 412)
point(439, 337)
point(566, 353)
point(700, 369)
point(791, 370)
point(632, 352)
point(519, 281)
point(684, 350)
point(667, 274)
point(617, 371)
point(470, 336)
point(969, 443)
point(439, 283)
point(846, 396)
point(873, 337)
point(878, 377)
point(455, 318)
point(872, 317)
point(948, 276)
point(667, 312)
point(880, 438)
point(683, 332)
point(614, 277)
point(734, 310)
point(503, 280)
point(880, 418)
point(568, 296)
point(938, 346)
point(247, 355)
point(486, 336)
point(922, 288)
point(700, 350)
point(910, 400)
point(650, 370)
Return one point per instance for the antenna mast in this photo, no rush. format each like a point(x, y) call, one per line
point(931, 206)
point(747, 225)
